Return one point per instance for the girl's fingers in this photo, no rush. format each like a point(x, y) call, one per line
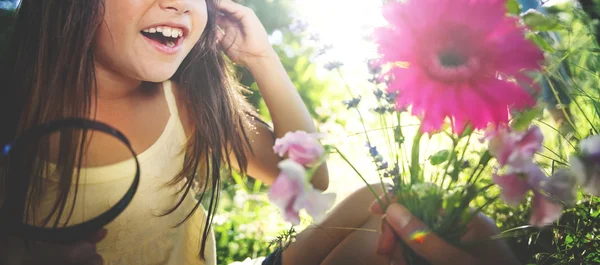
point(97, 237)
point(386, 199)
point(396, 255)
point(78, 253)
point(387, 239)
point(425, 243)
point(96, 260)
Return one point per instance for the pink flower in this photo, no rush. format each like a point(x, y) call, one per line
point(456, 50)
point(515, 185)
point(291, 192)
point(561, 187)
point(544, 211)
point(586, 166)
point(300, 146)
point(315, 203)
point(514, 148)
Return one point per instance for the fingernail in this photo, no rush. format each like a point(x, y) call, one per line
point(382, 223)
point(398, 214)
point(374, 204)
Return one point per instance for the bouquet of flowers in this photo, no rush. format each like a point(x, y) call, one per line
point(466, 71)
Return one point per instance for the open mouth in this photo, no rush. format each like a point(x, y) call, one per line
point(167, 36)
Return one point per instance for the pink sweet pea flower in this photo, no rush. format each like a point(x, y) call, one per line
point(544, 211)
point(289, 185)
point(514, 148)
point(516, 184)
point(586, 166)
point(315, 203)
point(291, 192)
point(302, 147)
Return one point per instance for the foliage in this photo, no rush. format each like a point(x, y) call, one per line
point(574, 239)
point(245, 224)
point(295, 52)
point(572, 112)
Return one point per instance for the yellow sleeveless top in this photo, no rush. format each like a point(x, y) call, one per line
point(139, 235)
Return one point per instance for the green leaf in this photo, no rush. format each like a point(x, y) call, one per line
point(440, 157)
point(537, 21)
point(513, 7)
point(594, 50)
point(541, 42)
point(522, 120)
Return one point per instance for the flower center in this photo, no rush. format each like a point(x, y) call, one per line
point(452, 59)
point(452, 65)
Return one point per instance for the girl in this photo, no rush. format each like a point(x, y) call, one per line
point(155, 70)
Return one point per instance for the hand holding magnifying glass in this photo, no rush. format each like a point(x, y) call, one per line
point(53, 173)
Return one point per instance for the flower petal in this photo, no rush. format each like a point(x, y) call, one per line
point(315, 203)
point(513, 188)
point(544, 211)
point(560, 188)
point(591, 145)
point(302, 147)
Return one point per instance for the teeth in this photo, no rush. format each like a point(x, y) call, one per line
point(166, 31)
point(170, 43)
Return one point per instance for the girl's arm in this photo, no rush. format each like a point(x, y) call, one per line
point(246, 43)
point(288, 113)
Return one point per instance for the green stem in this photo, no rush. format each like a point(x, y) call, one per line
point(361, 177)
point(483, 161)
point(450, 160)
point(415, 168)
point(362, 121)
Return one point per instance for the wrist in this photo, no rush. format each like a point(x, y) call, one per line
point(265, 61)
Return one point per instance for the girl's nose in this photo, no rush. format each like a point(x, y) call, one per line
point(177, 6)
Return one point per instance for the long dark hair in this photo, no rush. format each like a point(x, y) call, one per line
point(47, 73)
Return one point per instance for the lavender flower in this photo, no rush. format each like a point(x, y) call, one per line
point(353, 103)
point(333, 65)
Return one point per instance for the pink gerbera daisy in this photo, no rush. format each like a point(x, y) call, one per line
point(456, 50)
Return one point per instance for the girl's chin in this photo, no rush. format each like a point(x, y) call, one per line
point(157, 76)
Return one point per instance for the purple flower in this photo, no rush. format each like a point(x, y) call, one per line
point(333, 65)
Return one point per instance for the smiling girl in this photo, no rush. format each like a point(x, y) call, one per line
point(156, 70)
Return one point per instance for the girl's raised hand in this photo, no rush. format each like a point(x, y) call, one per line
point(242, 35)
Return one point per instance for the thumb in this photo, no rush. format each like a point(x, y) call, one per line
point(96, 237)
point(424, 242)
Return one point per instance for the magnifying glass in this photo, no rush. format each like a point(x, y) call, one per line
point(56, 177)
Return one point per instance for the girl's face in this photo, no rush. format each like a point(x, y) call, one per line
point(147, 40)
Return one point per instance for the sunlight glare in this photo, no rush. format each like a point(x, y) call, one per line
point(344, 24)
